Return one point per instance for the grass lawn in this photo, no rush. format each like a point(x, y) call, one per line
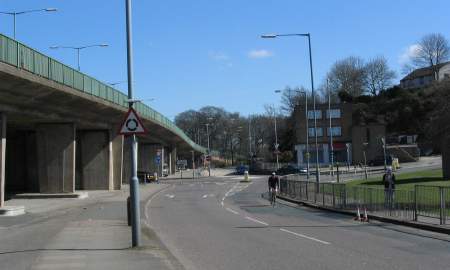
point(406, 181)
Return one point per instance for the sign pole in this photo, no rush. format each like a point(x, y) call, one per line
point(134, 182)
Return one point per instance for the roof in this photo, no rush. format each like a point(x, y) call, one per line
point(423, 72)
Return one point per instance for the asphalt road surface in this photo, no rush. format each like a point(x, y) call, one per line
point(220, 223)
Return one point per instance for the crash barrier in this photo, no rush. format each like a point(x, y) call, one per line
point(432, 202)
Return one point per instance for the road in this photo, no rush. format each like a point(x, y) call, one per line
point(220, 223)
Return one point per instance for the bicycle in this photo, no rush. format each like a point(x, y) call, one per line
point(272, 196)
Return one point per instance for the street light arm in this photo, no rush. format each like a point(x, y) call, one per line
point(284, 35)
point(79, 48)
point(34, 10)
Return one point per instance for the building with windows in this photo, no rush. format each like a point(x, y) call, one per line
point(351, 141)
point(425, 76)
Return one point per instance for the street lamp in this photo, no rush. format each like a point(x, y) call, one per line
point(15, 13)
point(308, 35)
point(307, 127)
point(276, 134)
point(209, 151)
point(78, 49)
point(116, 83)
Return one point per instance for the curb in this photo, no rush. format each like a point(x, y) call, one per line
point(412, 224)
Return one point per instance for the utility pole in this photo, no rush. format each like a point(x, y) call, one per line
point(134, 182)
point(383, 140)
point(331, 131)
point(209, 150)
point(276, 139)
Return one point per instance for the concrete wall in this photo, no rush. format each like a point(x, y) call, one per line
point(446, 156)
point(94, 159)
point(56, 157)
point(21, 162)
point(2, 157)
point(372, 135)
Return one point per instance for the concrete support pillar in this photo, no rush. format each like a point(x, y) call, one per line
point(116, 144)
point(126, 167)
point(446, 156)
point(2, 157)
point(56, 157)
point(95, 154)
point(172, 160)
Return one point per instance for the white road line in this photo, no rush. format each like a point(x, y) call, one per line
point(232, 211)
point(257, 221)
point(307, 237)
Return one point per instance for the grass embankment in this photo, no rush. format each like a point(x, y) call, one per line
point(406, 181)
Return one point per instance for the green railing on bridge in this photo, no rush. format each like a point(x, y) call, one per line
point(26, 58)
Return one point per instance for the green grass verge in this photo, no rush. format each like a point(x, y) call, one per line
point(406, 181)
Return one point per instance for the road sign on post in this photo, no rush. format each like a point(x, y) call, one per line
point(132, 124)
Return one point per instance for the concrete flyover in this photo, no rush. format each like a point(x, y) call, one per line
point(59, 128)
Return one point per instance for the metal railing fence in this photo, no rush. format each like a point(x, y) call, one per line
point(23, 57)
point(425, 201)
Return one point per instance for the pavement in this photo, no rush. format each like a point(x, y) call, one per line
point(89, 233)
point(221, 223)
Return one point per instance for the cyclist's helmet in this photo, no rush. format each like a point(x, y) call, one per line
point(273, 173)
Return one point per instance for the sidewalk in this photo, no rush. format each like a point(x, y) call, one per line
point(93, 234)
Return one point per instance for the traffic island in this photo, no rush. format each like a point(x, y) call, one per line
point(75, 195)
point(12, 211)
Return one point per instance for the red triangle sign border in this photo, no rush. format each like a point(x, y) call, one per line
point(138, 119)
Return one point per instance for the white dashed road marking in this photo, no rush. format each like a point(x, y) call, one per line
point(257, 221)
point(307, 237)
point(232, 211)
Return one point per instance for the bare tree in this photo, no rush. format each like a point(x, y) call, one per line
point(378, 75)
point(347, 75)
point(292, 97)
point(433, 49)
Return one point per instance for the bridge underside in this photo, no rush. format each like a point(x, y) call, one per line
point(56, 139)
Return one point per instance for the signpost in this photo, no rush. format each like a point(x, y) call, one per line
point(131, 126)
point(182, 163)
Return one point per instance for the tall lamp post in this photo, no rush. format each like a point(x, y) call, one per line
point(16, 13)
point(78, 49)
point(308, 35)
point(134, 182)
point(209, 149)
point(330, 132)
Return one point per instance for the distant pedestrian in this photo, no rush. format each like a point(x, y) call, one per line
point(155, 175)
point(389, 188)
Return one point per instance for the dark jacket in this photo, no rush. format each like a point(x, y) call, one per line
point(386, 182)
point(273, 181)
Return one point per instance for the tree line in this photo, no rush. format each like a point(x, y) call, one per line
point(369, 84)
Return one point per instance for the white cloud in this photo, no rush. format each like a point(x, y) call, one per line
point(218, 56)
point(408, 53)
point(259, 54)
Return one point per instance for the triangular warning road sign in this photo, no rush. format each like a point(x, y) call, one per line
point(132, 124)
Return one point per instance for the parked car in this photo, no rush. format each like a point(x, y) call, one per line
point(291, 169)
point(241, 169)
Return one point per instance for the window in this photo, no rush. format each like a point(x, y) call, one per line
point(319, 132)
point(335, 113)
point(318, 114)
point(336, 131)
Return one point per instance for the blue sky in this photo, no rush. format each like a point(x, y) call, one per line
point(190, 54)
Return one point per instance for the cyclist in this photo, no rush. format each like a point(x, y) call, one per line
point(273, 186)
